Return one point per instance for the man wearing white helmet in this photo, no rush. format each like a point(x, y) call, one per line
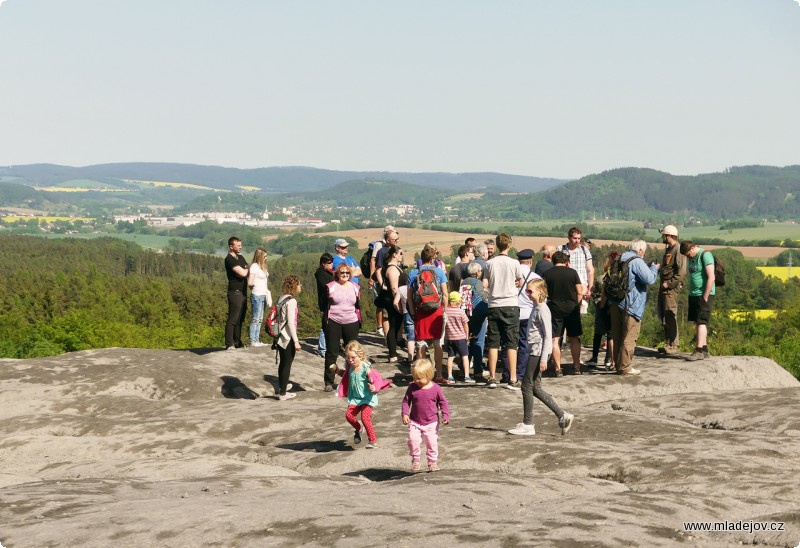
point(673, 271)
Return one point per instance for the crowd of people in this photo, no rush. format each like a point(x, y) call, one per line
point(487, 306)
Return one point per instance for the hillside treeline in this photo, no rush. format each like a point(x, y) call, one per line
point(759, 192)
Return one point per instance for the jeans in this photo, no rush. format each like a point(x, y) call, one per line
point(321, 345)
point(477, 337)
point(257, 304)
point(532, 387)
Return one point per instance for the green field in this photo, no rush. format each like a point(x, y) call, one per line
point(770, 231)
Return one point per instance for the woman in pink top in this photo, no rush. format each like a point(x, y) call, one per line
point(344, 318)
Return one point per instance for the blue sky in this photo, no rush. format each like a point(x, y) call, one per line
point(542, 88)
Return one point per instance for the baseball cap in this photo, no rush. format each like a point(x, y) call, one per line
point(454, 297)
point(670, 230)
point(341, 242)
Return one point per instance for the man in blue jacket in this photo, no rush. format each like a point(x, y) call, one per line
point(626, 315)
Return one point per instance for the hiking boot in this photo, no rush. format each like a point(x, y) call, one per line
point(523, 429)
point(698, 354)
point(515, 385)
point(565, 423)
point(672, 350)
point(706, 353)
point(357, 437)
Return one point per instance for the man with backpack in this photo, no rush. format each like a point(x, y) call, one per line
point(371, 265)
point(702, 288)
point(427, 297)
point(626, 290)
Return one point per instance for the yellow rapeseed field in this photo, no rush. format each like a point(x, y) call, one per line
point(783, 273)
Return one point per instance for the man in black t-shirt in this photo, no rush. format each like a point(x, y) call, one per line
point(237, 271)
point(564, 290)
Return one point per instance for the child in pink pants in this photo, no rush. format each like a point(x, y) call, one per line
point(421, 405)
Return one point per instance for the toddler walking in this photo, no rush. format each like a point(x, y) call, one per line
point(360, 384)
point(421, 405)
point(456, 333)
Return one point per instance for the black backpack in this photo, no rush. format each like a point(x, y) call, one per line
point(719, 270)
point(616, 282)
point(366, 258)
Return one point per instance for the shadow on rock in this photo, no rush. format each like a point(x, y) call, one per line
point(322, 446)
point(380, 474)
point(233, 388)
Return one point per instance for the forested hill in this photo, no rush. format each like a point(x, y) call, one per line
point(273, 179)
point(371, 193)
point(750, 191)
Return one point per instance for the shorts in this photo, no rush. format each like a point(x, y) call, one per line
point(571, 324)
point(408, 326)
point(700, 309)
point(503, 327)
point(457, 348)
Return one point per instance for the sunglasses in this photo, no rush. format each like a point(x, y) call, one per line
point(344, 273)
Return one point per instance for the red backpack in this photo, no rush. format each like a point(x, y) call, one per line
point(276, 319)
point(427, 291)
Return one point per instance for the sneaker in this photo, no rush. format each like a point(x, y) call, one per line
point(491, 383)
point(231, 348)
point(565, 423)
point(380, 332)
point(415, 466)
point(632, 372)
point(357, 437)
point(523, 429)
point(468, 380)
point(328, 388)
point(672, 350)
point(450, 380)
point(256, 344)
point(393, 360)
point(516, 385)
point(698, 354)
point(706, 353)
point(372, 445)
point(287, 396)
point(433, 467)
point(592, 362)
point(559, 373)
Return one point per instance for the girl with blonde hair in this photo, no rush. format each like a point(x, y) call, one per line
point(540, 345)
point(260, 297)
